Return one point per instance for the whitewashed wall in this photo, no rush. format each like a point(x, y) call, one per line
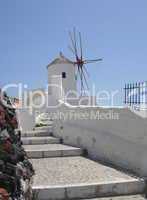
point(69, 83)
point(122, 142)
point(26, 119)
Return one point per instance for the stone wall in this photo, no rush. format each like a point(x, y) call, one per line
point(122, 141)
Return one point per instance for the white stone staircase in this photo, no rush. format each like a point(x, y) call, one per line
point(62, 172)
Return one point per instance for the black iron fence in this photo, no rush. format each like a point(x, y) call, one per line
point(135, 93)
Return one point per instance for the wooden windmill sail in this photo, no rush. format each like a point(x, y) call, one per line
point(80, 62)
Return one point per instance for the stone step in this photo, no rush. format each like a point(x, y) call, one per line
point(40, 140)
point(36, 133)
point(44, 127)
point(51, 150)
point(130, 197)
point(63, 178)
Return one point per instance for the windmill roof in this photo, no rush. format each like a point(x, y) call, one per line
point(61, 59)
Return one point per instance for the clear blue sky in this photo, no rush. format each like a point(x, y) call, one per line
point(32, 32)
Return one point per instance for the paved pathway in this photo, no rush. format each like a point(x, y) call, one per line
point(63, 173)
point(74, 170)
point(134, 197)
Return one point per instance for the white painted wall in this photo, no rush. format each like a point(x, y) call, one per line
point(38, 98)
point(26, 119)
point(69, 83)
point(56, 87)
point(142, 112)
point(80, 100)
point(122, 142)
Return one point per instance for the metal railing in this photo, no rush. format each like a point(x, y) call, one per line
point(135, 93)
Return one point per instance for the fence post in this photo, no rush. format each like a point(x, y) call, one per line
point(136, 94)
point(130, 90)
point(125, 90)
point(139, 85)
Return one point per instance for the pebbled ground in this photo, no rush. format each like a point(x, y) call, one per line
point(135, 197)
point(51, 147)
point(74, 170)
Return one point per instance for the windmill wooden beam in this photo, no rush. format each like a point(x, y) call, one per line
point(77, 49)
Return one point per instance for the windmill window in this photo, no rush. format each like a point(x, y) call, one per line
point(63, 74)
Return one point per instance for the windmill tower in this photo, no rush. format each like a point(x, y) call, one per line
point(61, 74)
